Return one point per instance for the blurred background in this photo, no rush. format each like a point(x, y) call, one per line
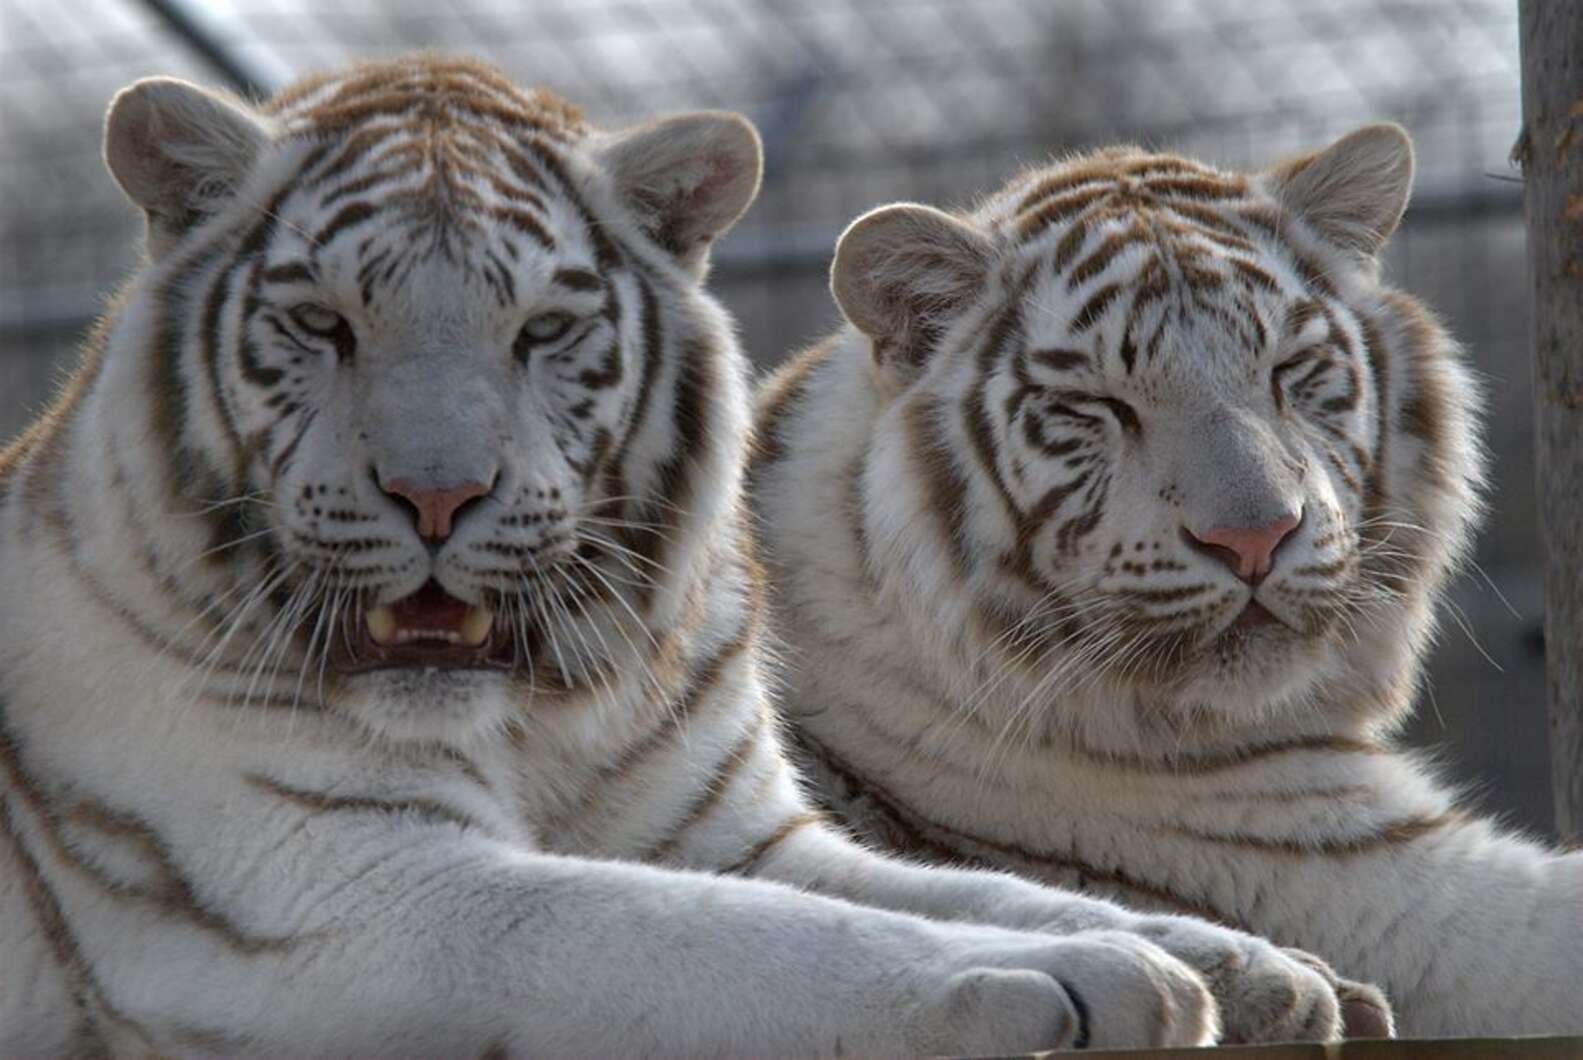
point(867, 101)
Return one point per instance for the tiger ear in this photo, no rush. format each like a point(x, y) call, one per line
point(179, 152)
point(1353, 192)
point(689, 177)
point(901, 272)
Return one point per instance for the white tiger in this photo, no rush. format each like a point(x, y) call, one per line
point(1107, 542)
point(375, 602)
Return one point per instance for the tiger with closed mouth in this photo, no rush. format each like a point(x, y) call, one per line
point(1106, 541)
point(380, 637)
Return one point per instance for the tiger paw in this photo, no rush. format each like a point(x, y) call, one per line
point(1006, 993)
point(1365, 1011)
point(1270, 994)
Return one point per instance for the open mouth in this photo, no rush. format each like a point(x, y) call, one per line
point(1255, 616)
point(431, 628)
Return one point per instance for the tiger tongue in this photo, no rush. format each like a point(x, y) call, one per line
point(429, 615)
point(431, 607)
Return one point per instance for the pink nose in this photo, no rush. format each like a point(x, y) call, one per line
point(436, 508)
point(1247, 550)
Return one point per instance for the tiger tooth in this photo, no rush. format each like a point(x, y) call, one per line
point(382, 625)
point(476, 626)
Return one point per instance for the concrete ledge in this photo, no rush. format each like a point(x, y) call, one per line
point(1535, 1048)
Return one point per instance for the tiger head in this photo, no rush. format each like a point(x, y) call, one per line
point(437, 356)
point(1167, 428)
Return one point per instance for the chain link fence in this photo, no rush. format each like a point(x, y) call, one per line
point(867, 101)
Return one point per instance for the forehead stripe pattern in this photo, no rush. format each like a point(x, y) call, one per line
point(1202, 233)
point(370, 184)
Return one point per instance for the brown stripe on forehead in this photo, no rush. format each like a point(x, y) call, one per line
point(1060, 360)
point(354, 213)
point(1209, 223)
point(1060, 209)
point(1065, 180)
point(383, 175)
point(1149, 165)
point(1094, 308)
point(1102, 255)
point(524, 222)
point(1256, 275)
point(1070, 244)
point(291, 272)
point(351, 151)
point(438, 94)
point(512, 193)
point(579, 279)
point(608, 252)
point(1203, 187)
point(1276, 227)
point(1250, 313)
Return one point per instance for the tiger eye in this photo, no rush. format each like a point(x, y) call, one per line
point(542, 330)
point(317, 319)
point(546, 327)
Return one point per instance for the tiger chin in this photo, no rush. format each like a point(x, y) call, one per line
point(381, 665)
point(1106, 542)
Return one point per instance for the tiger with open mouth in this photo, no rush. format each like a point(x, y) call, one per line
point(380, 637)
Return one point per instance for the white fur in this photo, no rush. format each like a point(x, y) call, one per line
point(213, 845)
point(935, 732)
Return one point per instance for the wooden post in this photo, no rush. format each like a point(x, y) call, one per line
point(1551, 153)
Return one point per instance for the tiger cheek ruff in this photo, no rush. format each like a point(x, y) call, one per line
point(1108, 541)
point(380, 638)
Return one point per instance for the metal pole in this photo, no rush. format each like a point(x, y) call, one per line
point(198, 27)
point(1551, 153)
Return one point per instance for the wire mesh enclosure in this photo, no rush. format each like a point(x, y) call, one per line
point(868, 101)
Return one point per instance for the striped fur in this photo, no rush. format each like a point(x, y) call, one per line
point(1006, 645)
point(224, 831)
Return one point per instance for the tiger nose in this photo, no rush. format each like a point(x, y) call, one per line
point(1248, 550)
point(435, 506)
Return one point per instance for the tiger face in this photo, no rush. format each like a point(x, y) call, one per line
point(1172, 435)
point(440, 332)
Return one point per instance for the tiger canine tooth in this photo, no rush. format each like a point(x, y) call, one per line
point(476, 626)
point(382, 625)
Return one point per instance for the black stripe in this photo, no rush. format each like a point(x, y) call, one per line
point(725, 775)
point(351, 215)
point(579, 279)
point(291, 272)
point(431, 810)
